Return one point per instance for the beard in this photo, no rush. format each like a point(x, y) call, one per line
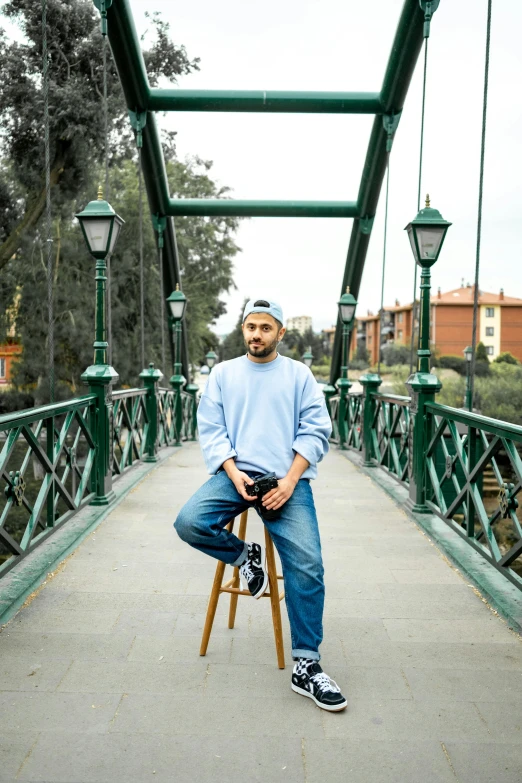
point(261, 353)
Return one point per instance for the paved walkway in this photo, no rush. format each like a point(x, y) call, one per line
point(101, 680)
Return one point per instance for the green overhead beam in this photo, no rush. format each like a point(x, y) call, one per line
point(249, 208)
point(265, 101)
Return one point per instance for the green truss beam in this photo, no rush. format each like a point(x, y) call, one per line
point(271, 101)
point(249, 208)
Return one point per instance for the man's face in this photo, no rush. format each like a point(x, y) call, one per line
point(261, 334)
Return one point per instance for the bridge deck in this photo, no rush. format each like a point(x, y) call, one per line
point(101, 679)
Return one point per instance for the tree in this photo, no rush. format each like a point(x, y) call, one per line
point(206, 251)
point(234, 345)
point(206, 245)
point(75, 92)
point(481, 355)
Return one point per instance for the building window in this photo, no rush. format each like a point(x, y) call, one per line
point(399, 334)
point(399, 318)
point(490, 350)
point(490, 331)
point(490, 312)
point(2, 368)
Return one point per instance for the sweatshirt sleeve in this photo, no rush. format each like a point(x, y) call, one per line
point(315, 426)
point(213, 436)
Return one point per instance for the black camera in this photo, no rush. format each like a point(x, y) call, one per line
point(260, 487)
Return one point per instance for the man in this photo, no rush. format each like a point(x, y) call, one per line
point(263, 413)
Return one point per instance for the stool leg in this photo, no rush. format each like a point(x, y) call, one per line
point(234, 596)
point(213, 601)
point(274, 600)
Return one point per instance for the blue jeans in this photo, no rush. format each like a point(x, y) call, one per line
point(201, 523)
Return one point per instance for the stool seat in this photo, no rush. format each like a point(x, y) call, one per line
point(233, 587)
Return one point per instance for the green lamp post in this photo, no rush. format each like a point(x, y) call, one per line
point(211, 358)
point(177, 303)
point(347, 305)
point(468, 353)
point(426, 234)
point(101, 227)
point(308, 357)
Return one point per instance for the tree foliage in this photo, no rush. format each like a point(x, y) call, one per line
point(206, 245)
point(75, 95)
point(234, 345)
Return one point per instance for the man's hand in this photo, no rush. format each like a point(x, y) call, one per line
point(278, 496)
point(238, 478)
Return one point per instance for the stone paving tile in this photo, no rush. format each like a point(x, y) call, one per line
point(147, 757)
point(14, 748)
point(77, 712)
point(181, 649)
point(145, 621)
point(133, 677)
point(155, 602)
point(486, 763)
point(464, 684)
point(427, 576)
point(215, 715)
point(478, 629)
point(62, 620)
point(479, 657)
point(34, 674)
point(364, 629)
point(412, 609)
point(503, 725)
point(359, 761)
point(403, 720)
point(61, 646)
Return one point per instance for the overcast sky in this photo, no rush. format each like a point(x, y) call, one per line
point(344, 45)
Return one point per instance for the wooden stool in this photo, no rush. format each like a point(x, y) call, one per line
point(234, 588)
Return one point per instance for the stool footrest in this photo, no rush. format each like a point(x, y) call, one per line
point(237, 591)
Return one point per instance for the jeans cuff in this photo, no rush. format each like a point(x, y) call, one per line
point(242, 557)
point(312, 654)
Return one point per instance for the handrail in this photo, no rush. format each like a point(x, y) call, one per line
point(136, 392)
point(398, 399)
point(30, 415)
point(493, 426)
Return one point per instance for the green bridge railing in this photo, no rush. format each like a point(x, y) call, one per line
point(55, 459)
point(461, 466)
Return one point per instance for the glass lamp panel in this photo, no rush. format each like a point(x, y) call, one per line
point(115, 233)
point(411, 237)
point(97, 233)
point(430, 240)
point(347, 313)
point(211, 360)
point(308, 360)
point(177, 309)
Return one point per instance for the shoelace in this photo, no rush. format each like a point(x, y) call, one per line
point(324, 683)
point(246, 570)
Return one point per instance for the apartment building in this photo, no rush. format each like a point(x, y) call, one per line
point(8, 354)
point(301, 323)
point(451, 320)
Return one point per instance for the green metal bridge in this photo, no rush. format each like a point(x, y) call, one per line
point(100, 675)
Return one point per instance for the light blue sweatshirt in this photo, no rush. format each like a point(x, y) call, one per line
point(262, 414)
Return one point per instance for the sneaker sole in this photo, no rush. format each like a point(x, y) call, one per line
point(264, 586)
point(333, 708)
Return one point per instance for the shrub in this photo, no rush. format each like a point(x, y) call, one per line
point(13, 400)
point(505, 357)
point(482, 369)
point(457, 363)
point(500, 395)
point(400, 374)
point(395, 353)
point(358, 364)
